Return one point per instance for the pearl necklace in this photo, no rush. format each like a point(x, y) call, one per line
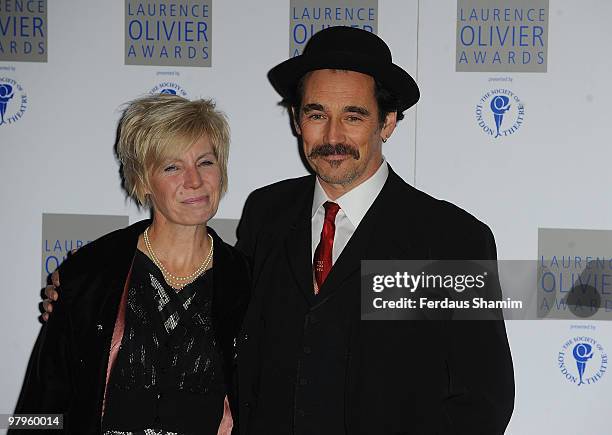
point(182, 281)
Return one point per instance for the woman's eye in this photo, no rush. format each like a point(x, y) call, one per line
point(170, 168)
point(206, 163)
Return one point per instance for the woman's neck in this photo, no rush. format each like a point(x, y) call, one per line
point(180, 248)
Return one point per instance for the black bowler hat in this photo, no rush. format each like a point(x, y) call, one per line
point(349, 49)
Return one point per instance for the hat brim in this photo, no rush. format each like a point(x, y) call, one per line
point(285, 76)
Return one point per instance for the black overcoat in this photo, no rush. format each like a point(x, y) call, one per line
point(406, 377)
point(67, 372)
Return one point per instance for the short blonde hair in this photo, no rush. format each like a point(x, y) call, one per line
point(159, 127)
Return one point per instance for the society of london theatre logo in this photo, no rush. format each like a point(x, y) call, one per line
point(169, 88)
point(13, 101)
point(500, 113)
point(582, 361)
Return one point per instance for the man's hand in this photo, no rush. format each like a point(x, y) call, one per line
point(51, 294)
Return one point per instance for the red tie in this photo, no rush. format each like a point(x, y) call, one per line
point(323, 253)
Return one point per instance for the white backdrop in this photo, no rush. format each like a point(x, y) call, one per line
point(552, 173)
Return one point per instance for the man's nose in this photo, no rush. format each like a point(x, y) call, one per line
point(335, 132)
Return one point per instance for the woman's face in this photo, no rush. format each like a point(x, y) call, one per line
point(187, 190)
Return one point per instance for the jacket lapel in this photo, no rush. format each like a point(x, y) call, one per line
point(118, 272)
point(298, 243)
point(349, 260)
point(387, 231)
point(376, 237)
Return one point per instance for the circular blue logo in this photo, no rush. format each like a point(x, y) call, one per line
point(500, 113)
point(169, 88)
point(582, 361)
point(13, 101)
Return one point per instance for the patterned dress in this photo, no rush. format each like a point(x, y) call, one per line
point(167, 378)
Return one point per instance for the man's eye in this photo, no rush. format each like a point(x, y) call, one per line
point(353, 118)
point(316, 116)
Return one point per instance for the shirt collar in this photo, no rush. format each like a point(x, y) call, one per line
point(356, 202)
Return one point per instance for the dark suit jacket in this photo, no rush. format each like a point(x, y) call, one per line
point(410, 377)
point(67, 373)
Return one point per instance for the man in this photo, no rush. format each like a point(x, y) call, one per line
point(307, 364)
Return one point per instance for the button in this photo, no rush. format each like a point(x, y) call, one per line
point(303, 381)
point(314, 319)
point(307, 350)
point(247, 404)
point(159, 395)
point(301, 413)
point(245, 337)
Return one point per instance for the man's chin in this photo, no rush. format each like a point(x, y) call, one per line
point(337, 170)
point(341, 177)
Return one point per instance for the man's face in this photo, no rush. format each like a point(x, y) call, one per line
point(340, 128)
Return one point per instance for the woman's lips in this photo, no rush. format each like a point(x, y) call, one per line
point(195, 200)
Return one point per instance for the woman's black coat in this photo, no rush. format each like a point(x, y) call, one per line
point(67, 372)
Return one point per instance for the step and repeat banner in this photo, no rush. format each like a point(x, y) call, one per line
point(511, 125)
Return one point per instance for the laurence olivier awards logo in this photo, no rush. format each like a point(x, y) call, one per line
point(23, 31)
point(502, 36)
point(171, 88)
point(13, 101)
point(62, 233)
point(500, 113)
point(168, 33)
point(574, 274)
point(582, 361)
point(307, 17)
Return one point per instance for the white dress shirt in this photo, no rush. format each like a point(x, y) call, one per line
point(354, 204)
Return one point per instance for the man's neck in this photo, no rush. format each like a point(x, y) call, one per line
point(336, 190)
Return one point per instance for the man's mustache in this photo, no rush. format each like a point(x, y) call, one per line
point(339, 149)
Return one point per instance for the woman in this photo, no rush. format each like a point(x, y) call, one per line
point(142, 338)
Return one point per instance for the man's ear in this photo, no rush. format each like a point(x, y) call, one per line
point(296, 121)
point(389, 126)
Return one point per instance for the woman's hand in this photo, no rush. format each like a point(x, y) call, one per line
point(227, 423)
